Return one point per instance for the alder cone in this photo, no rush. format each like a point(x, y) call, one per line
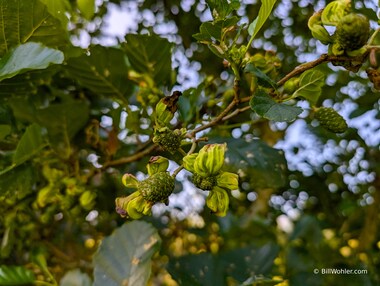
point(352, 32)
point(157, 188)
point(331, 120)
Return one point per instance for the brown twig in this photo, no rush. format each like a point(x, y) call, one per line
point(132, 158)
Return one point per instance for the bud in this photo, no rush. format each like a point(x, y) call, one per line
point(122, 203)
point(217, 201)
point(138, 207)
point(210, 160)
point(291, 85)
point(157, 188)
point(157, 164)
point(87, 199)
point(331, 120)
point(166, 108)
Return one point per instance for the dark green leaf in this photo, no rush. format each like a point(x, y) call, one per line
point(15, 275)
point(264, 12)
point(207, 269)
point(267, 107)
point(308, 228)
point(150, 55)
point(220, 9)
point(29, 56)
point(104, 71)
point(266, 166)
point(124, 257)
point(36, 25)
point(63, 121)
point(30, 143)
point(213, 31)
point(262, 78)
point(310, 83)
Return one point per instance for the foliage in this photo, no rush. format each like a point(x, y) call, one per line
point(211, 123)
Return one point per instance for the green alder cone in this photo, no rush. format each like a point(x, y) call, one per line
point(204, 183)
point(352, 32)
point(331, 120)
point(157, 188)
point(169, 140)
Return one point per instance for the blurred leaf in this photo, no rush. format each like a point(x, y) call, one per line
point(220, 9)
point(75, 278)
point(87, 8)
point(311, 83)
point(104, 71)
point(37, 25)
point(260, 281)
point(307, 228)
point(27, 83)
point(58, 9)
point(4, 131)
point(262, 78)
point(207, 269)
point(267, 107)
point(16, 275)
point(265, 165)
point(150, 55)
point(124, 257)
point(63, 121)
point(18, 182)
point(264, 12)
point(30, 143)
point(214, 31)
point(29, 56)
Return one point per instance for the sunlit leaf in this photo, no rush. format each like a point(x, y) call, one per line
point(87, 8)
point(16, 275)
point(37, 25)
point(264, 12)
point(29, 56)
point(124, 257)
point(311, 83)
point(58, 8)
point(267, 107)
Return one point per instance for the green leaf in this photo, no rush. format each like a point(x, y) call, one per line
point(311, 83)
point(30, 144)
point(28, 21)
point(214, 31)
point(16, 275)
point(208, 270)
point(267, 107)
point(29, 56)
point(124, 257)
point(264, 12)
point(58, 9)
point(266, 166)
point(4, 131)
point(63, 121)
point(87, 8)
point(104, 71)
point(150, 55)
point(220, 9)
point(75, 278)
point(262, 78)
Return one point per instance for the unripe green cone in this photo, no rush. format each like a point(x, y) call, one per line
point(169, 140)
point(331, 120)
point(352, 32)
point(204, 183)
point(157, 188)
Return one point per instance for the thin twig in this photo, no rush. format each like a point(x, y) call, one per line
point(132, 158)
